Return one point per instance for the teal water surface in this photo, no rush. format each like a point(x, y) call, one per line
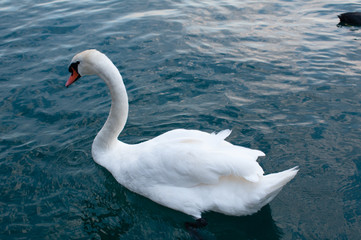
point(281, 74)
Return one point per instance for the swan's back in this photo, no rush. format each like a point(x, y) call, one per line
point(193, 171)
point(350, 18)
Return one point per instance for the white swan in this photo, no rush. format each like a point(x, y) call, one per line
point(186, 170)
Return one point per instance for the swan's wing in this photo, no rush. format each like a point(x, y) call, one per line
point(189, 158)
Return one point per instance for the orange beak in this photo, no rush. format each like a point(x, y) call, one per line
point(73, 77)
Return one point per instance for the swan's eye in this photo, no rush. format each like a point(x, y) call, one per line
point(74, 66)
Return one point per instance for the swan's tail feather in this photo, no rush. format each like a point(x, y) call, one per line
point(273, 183)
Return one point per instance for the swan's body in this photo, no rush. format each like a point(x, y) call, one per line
point(186, 170)
point(350, 18)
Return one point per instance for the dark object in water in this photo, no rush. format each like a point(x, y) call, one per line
point(350, 18)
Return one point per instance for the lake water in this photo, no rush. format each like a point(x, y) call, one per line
point(281, 74)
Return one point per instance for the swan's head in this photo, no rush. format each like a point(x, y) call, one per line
point(85, 63)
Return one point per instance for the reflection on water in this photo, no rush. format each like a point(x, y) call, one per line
point(281, 74)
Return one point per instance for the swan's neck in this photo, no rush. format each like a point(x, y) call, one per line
point(108, 135)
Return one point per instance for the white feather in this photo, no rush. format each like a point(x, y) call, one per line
point(186, 170)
